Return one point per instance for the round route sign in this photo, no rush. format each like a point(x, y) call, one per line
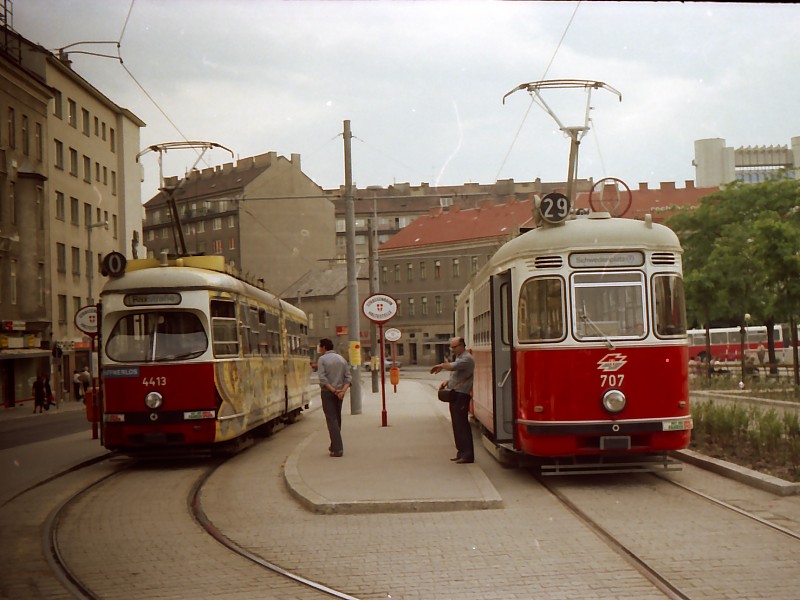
point(392, 334)
point(379, 308)
point(86, 320)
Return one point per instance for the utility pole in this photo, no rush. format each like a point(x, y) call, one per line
point(352, 286)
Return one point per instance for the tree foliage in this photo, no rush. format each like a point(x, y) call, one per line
point(742, 253)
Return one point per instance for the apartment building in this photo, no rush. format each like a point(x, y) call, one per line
point(69, 194)
point(263, 214)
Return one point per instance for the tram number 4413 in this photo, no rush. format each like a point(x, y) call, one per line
point(611, 380)
point(154, 381)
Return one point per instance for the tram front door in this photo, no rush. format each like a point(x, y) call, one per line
point(502, 378)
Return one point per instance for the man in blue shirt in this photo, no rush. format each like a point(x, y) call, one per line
point(461, 372)
point(334, 381)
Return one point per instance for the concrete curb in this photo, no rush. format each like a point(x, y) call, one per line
point(768, 483)
point(315, 502)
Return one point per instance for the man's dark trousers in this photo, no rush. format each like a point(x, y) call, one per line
point(332, 407)
point(462, 432)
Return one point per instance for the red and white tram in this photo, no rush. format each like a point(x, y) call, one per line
point(578, 331)
point(193, 357)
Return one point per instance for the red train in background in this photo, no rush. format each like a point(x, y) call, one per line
point(578, 331)
point(194, 358)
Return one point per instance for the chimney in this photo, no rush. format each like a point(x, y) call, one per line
point(667, 185)
point(690, 184)
point(642, 186)
point(296, 161)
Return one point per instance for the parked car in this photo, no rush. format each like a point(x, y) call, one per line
point(387, 364)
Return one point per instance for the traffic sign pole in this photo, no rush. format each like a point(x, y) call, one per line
point(380, 308)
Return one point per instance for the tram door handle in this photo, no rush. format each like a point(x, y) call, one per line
point(505, 378)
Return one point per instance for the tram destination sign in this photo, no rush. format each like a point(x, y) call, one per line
point(595, 260)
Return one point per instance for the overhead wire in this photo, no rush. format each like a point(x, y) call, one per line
point(544, 75)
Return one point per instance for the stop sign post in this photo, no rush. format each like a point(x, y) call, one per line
point(380, 308)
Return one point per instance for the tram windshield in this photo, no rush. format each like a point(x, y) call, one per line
point(156, 337)
point(608, 305)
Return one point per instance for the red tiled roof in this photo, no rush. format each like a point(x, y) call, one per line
point(443, 227)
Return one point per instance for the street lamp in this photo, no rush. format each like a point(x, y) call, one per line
point(90, 257)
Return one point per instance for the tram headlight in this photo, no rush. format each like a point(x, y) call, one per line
point(614, 401)
point(154, 400)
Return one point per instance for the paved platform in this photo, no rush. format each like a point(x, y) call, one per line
point(402, 467)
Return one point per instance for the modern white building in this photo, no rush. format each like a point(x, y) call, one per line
point(717, 164)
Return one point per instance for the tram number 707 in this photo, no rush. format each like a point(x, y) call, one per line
point(614, 380)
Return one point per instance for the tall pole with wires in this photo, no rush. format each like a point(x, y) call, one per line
point(354, 327)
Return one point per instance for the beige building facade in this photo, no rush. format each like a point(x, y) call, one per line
point(70, 169)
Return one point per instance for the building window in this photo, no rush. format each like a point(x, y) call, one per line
point(397, 273)
point(76, 261)
point(77, 304)
point(26, 142)
point(58, 105)
point(113, 140)
point(104, 130)
point(231, 221)
point(474, 265)
point(87, 122)
point(422, 273)
point(456, 269)
point(60, 207)
point(73, 162)
point(437, 304)
point(384, 275)
point(326, 319)
point(409, 272)
point(105, 175)
point(72, 109)
point(96, 126)
point(87, 169)
point(411, 309)
point(201, 227)
point(59, 157)
point(217, 246)
point(62, 309)
point(113, 183)
point(87, 214)
point(437, 269)
point(74, 215)
point(340, 226)
point(12, 128)
point(425, 306)
point(232, 244)
point(216, 224)
point(114, 226)
point(38, 142)
point(97, 171)
point(61, 258)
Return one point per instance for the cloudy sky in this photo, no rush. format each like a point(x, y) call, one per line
point(422, 82)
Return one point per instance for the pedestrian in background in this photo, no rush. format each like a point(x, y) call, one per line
point(41, 393)
point(77, 388)
point(86, 380)
point(334, 381)
point(461, 372)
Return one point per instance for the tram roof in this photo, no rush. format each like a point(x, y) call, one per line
point(593, 232)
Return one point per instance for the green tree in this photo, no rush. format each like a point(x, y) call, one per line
point(741, 252)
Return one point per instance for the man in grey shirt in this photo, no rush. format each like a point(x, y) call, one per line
point(461, 372)
point(334, 381)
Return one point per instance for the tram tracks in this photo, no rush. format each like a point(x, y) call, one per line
point(673, 547)
point(126, 527)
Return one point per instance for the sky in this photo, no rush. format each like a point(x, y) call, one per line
point(422, 83)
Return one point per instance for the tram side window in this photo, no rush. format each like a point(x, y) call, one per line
point(223, 328)
point(669, 305)
point(608, 305)
point(540, 316)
